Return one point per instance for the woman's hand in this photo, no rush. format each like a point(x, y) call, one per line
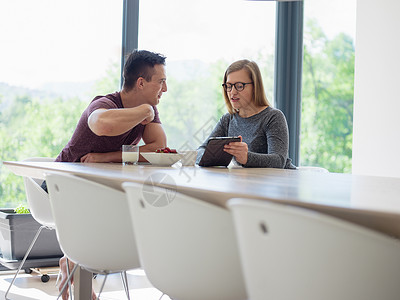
point(239, 150)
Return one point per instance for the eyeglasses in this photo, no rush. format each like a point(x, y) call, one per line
point(239, 86)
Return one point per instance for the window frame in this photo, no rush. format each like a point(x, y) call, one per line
point(289, 69)
point(130, 31)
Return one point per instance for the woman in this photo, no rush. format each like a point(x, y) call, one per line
point(263, 129)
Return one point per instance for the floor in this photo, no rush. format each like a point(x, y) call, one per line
point(30, 286)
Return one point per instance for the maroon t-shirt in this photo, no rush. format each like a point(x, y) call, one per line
point(84, 141)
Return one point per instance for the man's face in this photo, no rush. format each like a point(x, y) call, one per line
point(157, 86)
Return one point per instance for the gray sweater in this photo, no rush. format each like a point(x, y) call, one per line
point(266, 135)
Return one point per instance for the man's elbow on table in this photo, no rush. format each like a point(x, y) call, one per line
point(154, 145)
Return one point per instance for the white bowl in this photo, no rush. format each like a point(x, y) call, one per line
point(161, 159)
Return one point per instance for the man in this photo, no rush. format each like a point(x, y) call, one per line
point(124, 117)
point(121, 118)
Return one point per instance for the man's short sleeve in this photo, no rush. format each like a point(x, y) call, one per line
point(102, 102)
point(156, 116)
point(105, 103)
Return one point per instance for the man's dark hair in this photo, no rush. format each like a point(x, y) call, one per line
point(140, 63)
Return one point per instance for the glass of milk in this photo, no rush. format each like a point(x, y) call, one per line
point(130, 154)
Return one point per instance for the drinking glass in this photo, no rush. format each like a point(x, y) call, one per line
point(130, 154)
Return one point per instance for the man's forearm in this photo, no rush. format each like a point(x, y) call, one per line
point(152, 147)
point(102, 157)
point(114, 156)
point(113, 122)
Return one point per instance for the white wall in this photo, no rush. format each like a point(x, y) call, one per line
point(376, 132)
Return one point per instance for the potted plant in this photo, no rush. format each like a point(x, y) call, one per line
point(17, 230)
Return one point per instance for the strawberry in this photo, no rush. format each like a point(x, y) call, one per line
point(166, 150)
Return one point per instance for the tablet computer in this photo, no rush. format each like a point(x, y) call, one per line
point(214, 155)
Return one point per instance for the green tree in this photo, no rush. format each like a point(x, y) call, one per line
point(31, 127)
point(35, 127)
point(191, 106)
point(110, 82)
point(327, 100)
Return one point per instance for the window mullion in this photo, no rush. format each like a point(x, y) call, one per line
point(288, 69)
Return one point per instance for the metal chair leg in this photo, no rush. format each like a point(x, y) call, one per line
point(58, 277)
point(68, 280)
point(102, 286)
point(125, 283)
point(163, 294)
point(69, 284)
point(24, 259)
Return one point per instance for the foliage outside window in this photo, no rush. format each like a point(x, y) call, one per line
point(55, 56)
point(37, 126)
point(327, 100)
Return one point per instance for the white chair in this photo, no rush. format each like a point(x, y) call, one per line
point(93, 225)
point(293, 253)
point(39, 205)
point(187, 247)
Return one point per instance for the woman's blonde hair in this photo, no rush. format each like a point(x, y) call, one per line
point(258, 97)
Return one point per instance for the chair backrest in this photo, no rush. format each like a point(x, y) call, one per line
point(93, 224)
point(292, 253)
point(187, 248)
point(37, 198)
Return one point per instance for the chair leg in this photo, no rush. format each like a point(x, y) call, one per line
point(58, 277)
point(102, 286)
point(68, 280)
point(125, 283)
point(161, 296)
point(24, 259)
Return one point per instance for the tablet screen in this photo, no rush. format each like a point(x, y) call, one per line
point(214, 155)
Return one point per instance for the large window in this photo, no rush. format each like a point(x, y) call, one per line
point(200, 40)
point(328, 84)
point(55, 56)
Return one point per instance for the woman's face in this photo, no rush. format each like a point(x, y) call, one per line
point(240, 100)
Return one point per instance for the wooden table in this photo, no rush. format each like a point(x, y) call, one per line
point(370, 201)
point(373, 202)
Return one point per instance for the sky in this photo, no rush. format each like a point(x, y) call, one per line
point(45, 41)
point(54, 40)
point(207, 29)
point(334, 16)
